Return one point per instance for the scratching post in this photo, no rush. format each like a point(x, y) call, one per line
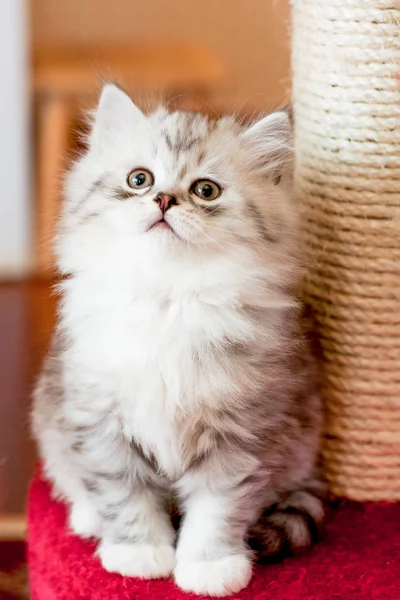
point(346, 87)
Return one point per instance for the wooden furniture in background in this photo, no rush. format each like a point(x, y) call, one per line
point(65, 80)
point(27, 312)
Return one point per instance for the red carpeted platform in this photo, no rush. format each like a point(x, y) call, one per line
point(359, 559)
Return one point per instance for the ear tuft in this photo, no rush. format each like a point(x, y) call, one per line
point(269, 143)
point(115, 114)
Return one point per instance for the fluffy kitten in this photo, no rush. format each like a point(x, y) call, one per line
point(178, 372)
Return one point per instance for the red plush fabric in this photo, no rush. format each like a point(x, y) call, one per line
point(359, 559)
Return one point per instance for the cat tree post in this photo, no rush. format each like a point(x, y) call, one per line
point(346, 88)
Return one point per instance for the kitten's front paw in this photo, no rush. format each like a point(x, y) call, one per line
point(84, 520)
point(137, 560)
point(219, 577)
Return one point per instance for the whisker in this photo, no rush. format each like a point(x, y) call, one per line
point(208, 213)
point(219, 228)
point(231, 243)
point(250, 242)
point(207, 236)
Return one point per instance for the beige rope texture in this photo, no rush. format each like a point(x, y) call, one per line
point(346, 89)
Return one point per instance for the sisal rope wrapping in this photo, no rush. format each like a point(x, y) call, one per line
point(346, 89)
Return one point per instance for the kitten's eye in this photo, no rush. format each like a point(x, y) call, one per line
point(140, 179)
point(206, 189)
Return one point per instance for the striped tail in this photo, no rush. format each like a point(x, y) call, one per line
point(291, 525)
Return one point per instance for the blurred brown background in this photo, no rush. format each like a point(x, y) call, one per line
point(216, 55)
point(251, 38)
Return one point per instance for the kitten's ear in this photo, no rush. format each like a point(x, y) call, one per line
point(115, 115)
point(269, 143)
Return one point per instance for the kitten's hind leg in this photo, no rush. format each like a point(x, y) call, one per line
point(84, 519)
point(290, 525)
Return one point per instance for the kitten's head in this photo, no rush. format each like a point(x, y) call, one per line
point(170, 182)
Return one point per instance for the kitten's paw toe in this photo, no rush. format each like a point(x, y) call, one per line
point(84, 520)
point(219, 577)
point(138, 560)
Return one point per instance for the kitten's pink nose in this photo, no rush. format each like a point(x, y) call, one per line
point(165, 201)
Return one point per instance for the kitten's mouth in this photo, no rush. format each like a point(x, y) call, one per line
point(161, 224)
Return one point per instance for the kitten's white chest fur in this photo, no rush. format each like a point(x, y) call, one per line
point(154, 352)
